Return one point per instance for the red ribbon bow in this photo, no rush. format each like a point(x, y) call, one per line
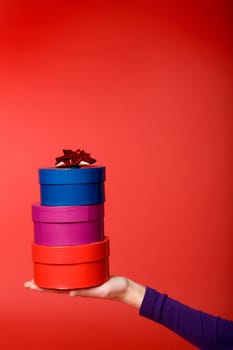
point(76, 159)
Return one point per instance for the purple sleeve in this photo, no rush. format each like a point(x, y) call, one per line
point(205, 331)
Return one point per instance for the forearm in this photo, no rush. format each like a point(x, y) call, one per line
point(199, 328)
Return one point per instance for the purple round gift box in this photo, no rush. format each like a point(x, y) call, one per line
point(68, 225)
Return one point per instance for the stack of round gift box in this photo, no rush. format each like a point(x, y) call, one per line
point(70, 249)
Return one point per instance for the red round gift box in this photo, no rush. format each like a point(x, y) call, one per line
point(71, 267)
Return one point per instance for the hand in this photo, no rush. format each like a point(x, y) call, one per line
point(112, 289)
point(116, 288)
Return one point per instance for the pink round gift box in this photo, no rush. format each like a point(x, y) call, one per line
point(68, 225)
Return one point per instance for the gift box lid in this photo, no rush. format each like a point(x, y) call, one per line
point(70, 254)
point(66, 214)
point(56, 176)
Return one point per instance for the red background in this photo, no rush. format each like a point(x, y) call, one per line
point(146, 87)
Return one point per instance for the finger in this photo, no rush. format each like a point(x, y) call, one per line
point(80, 292)
point(73, 293)
point(35, 287)
point(28, 284)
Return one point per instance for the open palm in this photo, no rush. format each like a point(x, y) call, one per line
point(112, 289)
point(116, 288)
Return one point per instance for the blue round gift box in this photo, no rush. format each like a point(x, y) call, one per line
point(72, 186)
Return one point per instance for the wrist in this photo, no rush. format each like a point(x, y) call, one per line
point(133, 294)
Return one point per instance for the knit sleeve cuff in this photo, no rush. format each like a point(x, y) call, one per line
point(152, 304)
